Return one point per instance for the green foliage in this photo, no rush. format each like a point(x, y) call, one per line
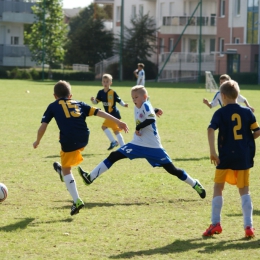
point(35, 74)
point(78, 76)
point(132, 211)
point(89, 42)
point(47, 36)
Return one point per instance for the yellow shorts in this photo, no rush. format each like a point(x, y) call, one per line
point(233, 177)
point(69, 159)
point(110, 124)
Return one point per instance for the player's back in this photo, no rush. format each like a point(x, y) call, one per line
point(235, 140)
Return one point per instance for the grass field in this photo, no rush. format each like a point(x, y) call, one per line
point(133, 211)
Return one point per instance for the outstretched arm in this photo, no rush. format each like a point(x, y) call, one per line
point(247, 104)
point(213, 155)
point(40, 134)
point(105, 115)
point(206, 102)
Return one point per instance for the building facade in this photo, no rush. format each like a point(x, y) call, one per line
point(221, 36)
point(13, 16)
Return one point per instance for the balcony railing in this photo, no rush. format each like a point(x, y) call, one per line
point(184, 20)
point(14, 51)
point(16, 7)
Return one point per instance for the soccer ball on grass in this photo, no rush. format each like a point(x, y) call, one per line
point(3, 192)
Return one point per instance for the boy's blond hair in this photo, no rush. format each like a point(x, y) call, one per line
point(230, 88)
point(140, 65)
point(62, 89)
point(224, 76)
point(140, 89)
point(107, 76)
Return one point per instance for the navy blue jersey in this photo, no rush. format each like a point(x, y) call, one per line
point(109, 100)
point(70, 116)
point(236, 145)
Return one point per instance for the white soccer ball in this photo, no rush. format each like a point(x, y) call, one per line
point(3, 192)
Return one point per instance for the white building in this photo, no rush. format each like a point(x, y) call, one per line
point(13, 16)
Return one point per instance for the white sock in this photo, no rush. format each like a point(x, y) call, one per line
point(109, 135)
point(120, 139)
point(98, 171)
point(247, 208)
point(189, 180)
point(217, 203)
point(71, 186)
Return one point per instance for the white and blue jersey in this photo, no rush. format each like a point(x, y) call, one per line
point(141, 78)
point(148, 145)
point(218, 101)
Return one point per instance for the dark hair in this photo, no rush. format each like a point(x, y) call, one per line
point(62, 89)
point(225, 76)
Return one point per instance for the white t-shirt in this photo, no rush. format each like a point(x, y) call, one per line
point(141, 78)
point(149, 134)
point(218, 101)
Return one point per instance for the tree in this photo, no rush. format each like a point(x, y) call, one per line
point(47, 35)
point(89, 42)
point(139, 44)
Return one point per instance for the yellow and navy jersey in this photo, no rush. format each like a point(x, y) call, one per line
point(70, 116)
point(236, 145)
point(109, 100)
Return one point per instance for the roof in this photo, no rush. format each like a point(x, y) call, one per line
point(71, 12)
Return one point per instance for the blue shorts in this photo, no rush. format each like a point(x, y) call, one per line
point(155, 156)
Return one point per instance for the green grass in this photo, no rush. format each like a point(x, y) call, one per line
point(133, 211)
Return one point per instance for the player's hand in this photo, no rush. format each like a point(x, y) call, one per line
point(214, 159)
point(92, 98)
point(123, 126)
point(252, 109)
point(205, 101)
point(35, 144)
point(159, 112)
point(138, 133)
point(126, 105)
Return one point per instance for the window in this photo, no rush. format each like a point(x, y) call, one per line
point(193, 45)
point(162, 11)
point(161, 45)
point(237, 40)
point(221, 45)
point(133, 11)
point(171, 9)
point(222, 8)
point(171, 42)
point(237, 7)
point(14, 40)
point(141, 10)
point(118, 13)
point(212, 44)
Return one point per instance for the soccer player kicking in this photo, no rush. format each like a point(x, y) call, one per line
point(237, 130)
point(145, 144)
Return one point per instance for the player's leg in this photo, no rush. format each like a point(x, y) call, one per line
point(182, 175)
point(69, 159)
point(216, 206)
point(246, 202)
point(105, 128)
point(88, 178)
point(120, 138)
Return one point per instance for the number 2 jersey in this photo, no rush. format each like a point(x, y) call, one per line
point(236, 145)
point(149, 134)
point(70, 116)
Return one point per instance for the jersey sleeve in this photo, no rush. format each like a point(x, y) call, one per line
point(117, 98)
point(241, 99)
point(214, 123)
point(99, 96)
point(149, 111)
point(48, 115)
point(216, 100)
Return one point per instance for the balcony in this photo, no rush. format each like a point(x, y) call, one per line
point(176, 24)
point(104, 1)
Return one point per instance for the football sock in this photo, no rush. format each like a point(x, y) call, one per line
point(120, 139)
point(109, 135)
point(247, 208)
point(186, 177)
point(98, 171)
point(217, 203)
point(71, 186)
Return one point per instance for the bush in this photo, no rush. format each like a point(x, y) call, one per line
point(35, 74)
point(15, 74)
point(3, 74)
point(25, 74)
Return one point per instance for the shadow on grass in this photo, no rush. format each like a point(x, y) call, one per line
point(190, 159)
point(255, 212)
point(66, 220)
point(84, 155)
point(180, 246)
point(22, 224)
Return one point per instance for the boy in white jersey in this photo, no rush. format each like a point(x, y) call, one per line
point(140, 74)
point(145, 144)
point(217, 98)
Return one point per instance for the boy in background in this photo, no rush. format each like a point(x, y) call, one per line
point(236, 146)
point(140, 74)
point(145, 144)
point(217, 98)
point(70, 116)
point(109, 98)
